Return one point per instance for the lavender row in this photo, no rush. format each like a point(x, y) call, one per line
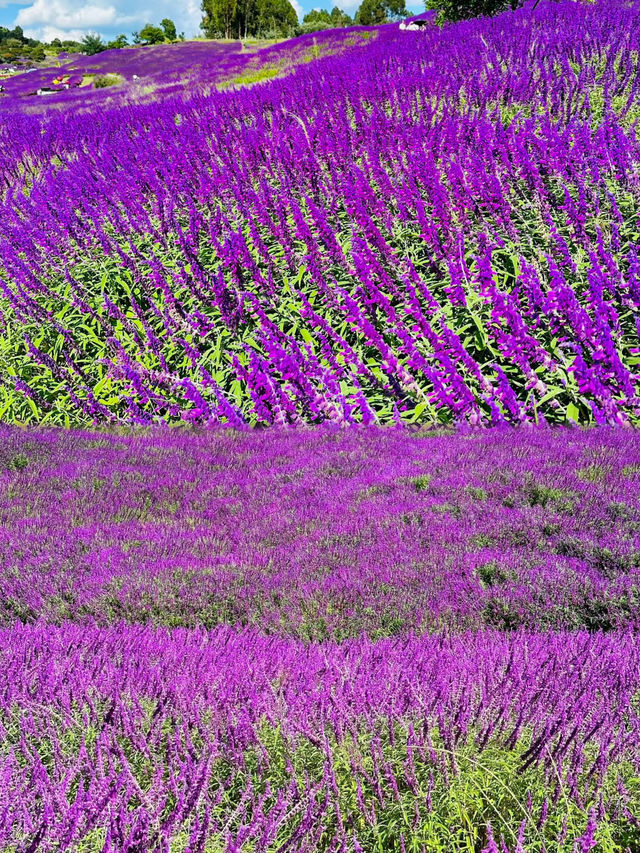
point(129, 738)
point(322, 534)
point(433, 226)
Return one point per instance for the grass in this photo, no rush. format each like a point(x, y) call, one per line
point(393, 790)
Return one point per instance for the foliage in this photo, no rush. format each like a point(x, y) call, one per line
point(373, 12)
point(17, 34)
point(277, 17)
point(321, 19)
point(150, 34)
point(340, 18)
point(14, 46)
point(118, 42)
point(92, 43)
point(458, 10)
point(104, 81)
point(220, 17)
point(256, 18)
point(169, 28)
point(318, 16)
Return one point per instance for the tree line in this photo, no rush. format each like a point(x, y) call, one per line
point(16, 48)
point(165, 33)
point(277, 18)
point(14, 44)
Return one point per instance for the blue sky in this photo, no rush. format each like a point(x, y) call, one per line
point(48, 19)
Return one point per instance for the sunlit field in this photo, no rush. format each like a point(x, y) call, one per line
point(319, 471)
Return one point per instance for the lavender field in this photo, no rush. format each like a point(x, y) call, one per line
point(422, 226)
point(320, 640)
point(319, 462)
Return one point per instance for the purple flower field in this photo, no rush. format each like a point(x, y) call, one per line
point(164, 64)
point(136, 739)
point(323, 534)
point(421, 226)
point(146, 74)
point(399, 624)
point(320, 640)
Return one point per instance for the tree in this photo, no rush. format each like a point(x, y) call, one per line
point(315, 20)
point(245, 18)
point(317, 15)
point(373, 12)
point(169, 28)
point(151, 35)
point(118, 42)
point(262, 18)
point(91, 44)
point(16, 37)
point(320, 19)
point(458, 10)
point(38, 54)
point(220, 16)
point(340, 18)
point(276, 18)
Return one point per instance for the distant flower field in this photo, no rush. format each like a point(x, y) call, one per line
point(323, 535)
point(150, 73)
point(320, 640)
point(385, 628)
point(423, 227)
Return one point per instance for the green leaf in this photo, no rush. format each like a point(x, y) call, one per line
point(573, 413)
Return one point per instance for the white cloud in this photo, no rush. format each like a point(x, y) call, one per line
point(48, 34)
point(298, 8)
point(47, 19)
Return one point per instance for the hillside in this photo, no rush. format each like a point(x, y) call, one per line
point(152, 73)
point(417, 226)
point(301, 549)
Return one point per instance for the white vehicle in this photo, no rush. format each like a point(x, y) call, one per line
point(416, 24)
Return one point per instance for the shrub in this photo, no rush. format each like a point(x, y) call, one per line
point(103, 81)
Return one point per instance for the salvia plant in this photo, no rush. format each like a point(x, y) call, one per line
point(404, 226)
point(320, 640)
point(410, 639)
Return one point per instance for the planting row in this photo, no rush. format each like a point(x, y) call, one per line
point(322, 534)
point(434, 226)
point(132, 739)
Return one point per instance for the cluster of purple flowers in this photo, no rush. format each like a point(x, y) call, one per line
point(323, 534)
point(128, 739)
point(417, 226)
point(319, 640)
